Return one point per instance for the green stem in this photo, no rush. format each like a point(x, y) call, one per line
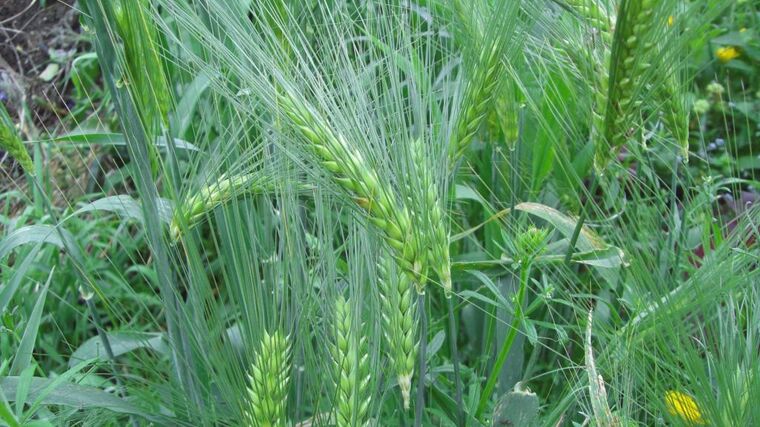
point(674, 240)
point(455, 362)
point(420, 404)
point(485, 397)
point(500, 264)
point(581, 220)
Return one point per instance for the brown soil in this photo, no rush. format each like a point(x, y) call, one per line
point(31, 38)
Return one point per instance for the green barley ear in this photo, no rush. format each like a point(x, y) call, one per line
point(144, 70)
point(626, 68)
point(485, 47)
point(594, 13)
point(351, 365)
point(10, 142)
point(433, 220)
point(478, 96)
point(676, 120)
point(672, 93)
point(507, 114)
point(221, 191)
point(398, 307)
point(675, 114)
point(268, 382)
point(140, 36)
point(626, 64)
point(360, 180)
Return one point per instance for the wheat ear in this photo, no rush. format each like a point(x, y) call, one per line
point(478, 95)
point(221, 191)
point(594, 13)
point(431, 214)
point(675, 112)
point(144, 69)
point(10, 142)
point(351, 366)
point(398, 307)
point(626, 65)
point(675, 116)
point(354, 174)
point(268, 382)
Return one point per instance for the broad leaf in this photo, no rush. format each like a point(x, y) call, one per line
point(121, 343)
point(40, 234)
point(70, 394)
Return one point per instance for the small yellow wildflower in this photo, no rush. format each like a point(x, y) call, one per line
point(684, 406)
point(671, 20)
point(727, 53)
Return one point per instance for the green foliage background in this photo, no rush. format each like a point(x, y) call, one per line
point(535, 212)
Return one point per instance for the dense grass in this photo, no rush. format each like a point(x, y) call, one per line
point(390, 213)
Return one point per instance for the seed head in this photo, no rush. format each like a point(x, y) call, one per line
point(530, 243)
point(10, 142)
point(351, 171)
point(351, 371)
point(398, 307)
point(268, 382)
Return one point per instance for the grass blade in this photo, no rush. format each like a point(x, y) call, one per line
point(26, 347)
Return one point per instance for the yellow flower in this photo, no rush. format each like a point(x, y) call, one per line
point(727, 53)
point(684, 406)
point(671, 20)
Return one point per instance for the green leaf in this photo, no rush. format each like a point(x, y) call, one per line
point(126, 207)
point(519, 407)
point(435, 344)
point(123, 205)
point(52, 392)
point(587, 240)
point(464, 192)
point(90, 138)
point(22, 392)
point(484, 279)
point(25, 348)
point(185, 112)
point(530, 331)
point(40, 234)
point(609, 257)
point(734, 38)
point(7, 291)
point(6, 414)
point(467, 294)
point(121, 343)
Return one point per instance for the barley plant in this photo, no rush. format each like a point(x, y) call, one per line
point(269, 381)
point(398, 311)
point(197, 205)
point(379, 213)
point(349, 169)
point(352, 375)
